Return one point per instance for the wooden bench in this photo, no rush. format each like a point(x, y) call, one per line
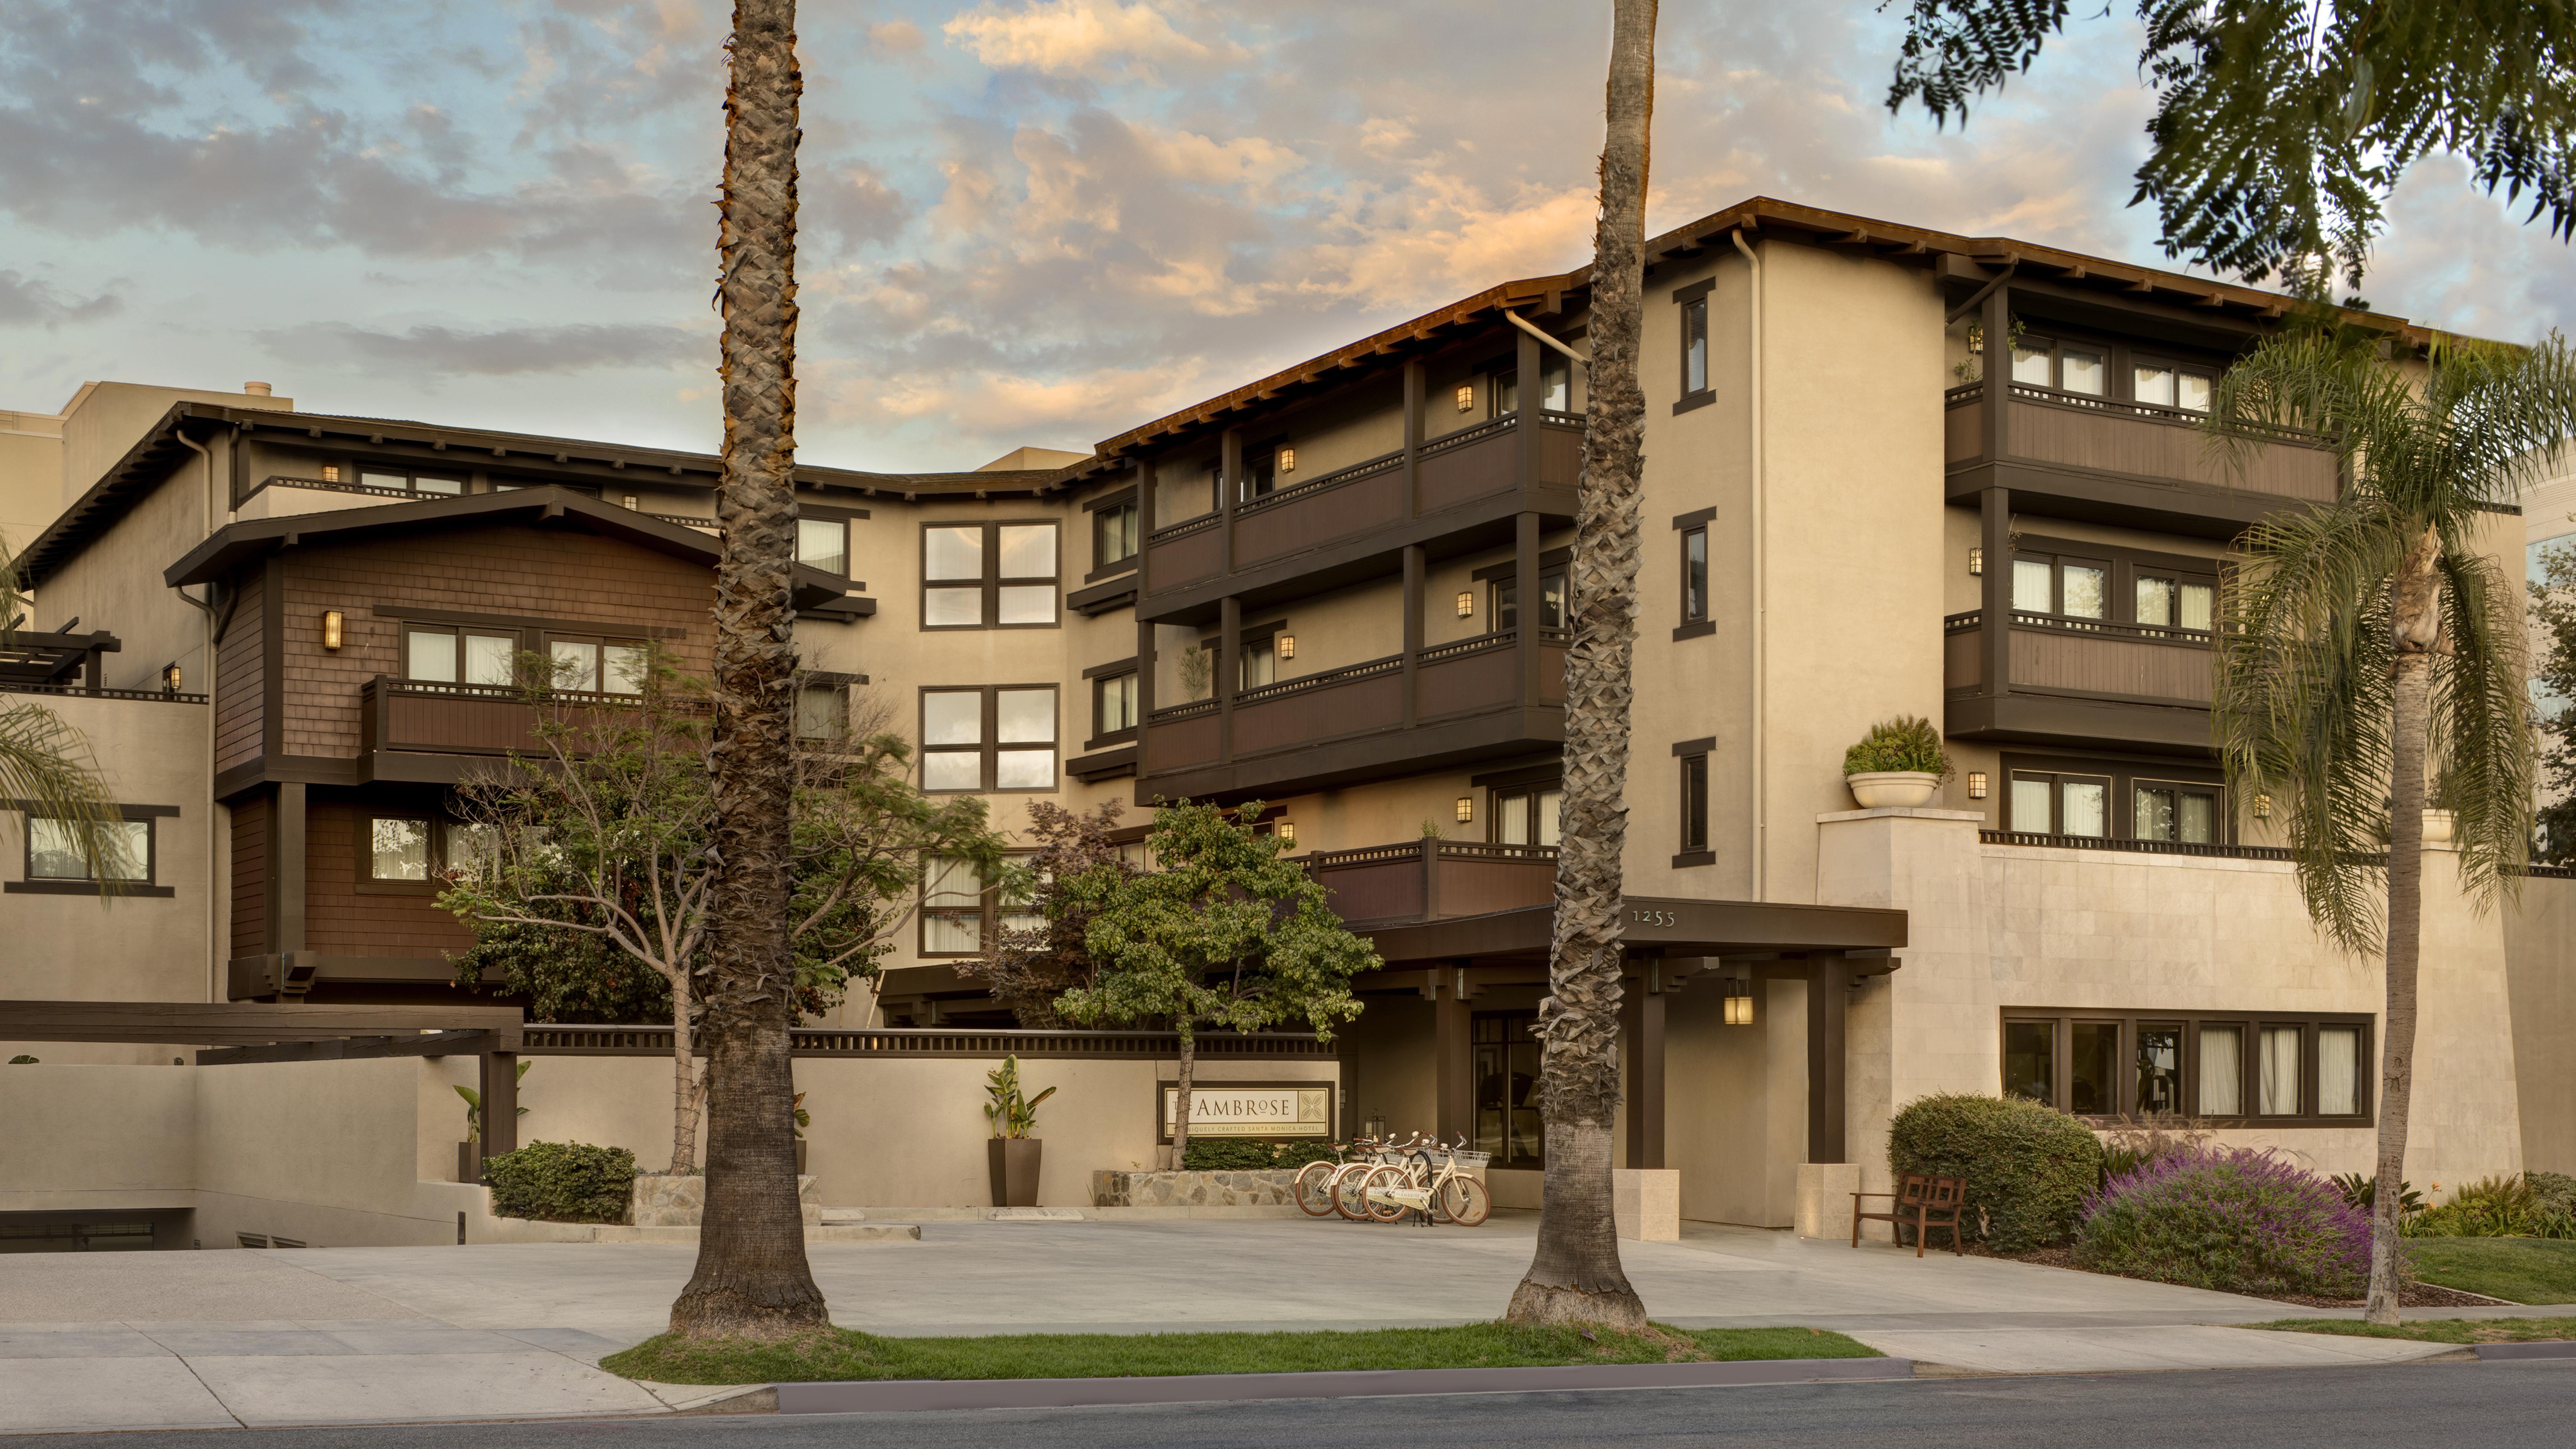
point(1922, 1200)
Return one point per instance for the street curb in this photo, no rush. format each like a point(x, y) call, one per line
point(903, 1395)
point(2526, 1350)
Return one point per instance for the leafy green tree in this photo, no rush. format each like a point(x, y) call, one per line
point(2282, 126)
point(1225, 932)
point(1031, 967)
point(2367, 646)
point(2553, 609)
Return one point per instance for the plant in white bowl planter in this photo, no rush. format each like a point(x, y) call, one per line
point(1899, 763)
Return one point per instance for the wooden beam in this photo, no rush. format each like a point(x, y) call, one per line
point(435, 1044)
point(242, 1023)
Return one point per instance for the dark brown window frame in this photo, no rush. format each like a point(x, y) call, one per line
point(1513, 1031)
point(1101, 735)
point(1687, 527)
point(990, 748)
point(1102, 560)
point(1690, 797)
point(993, 582)
point(1501, 797)
point(2123, 773)
point(149, 885)
point(463, 478)
point(848, 538)
point(2191, 1023)
point(362, 837)
point(2122, 567)
point(988, 917)
point(1693, 302)
point(2120, 356)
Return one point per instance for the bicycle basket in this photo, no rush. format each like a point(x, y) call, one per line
point(1467, 1157)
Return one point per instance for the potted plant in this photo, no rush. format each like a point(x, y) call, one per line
point(1013, 1153)
point(1899, 763)
point(469, 1162)
point(804, 1120)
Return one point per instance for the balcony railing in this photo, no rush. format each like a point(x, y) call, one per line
point(2084, 656)
point(897, 1041)
point(435, 717)
point(1432, 879)
point(2138, 439)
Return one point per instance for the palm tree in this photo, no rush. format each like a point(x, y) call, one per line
point(47, 763)
point(752, 1278)
point(1575, 1276)
point(2368, 643)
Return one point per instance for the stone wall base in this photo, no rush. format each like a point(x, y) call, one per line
point(1193, 1189)
point(665, 1201)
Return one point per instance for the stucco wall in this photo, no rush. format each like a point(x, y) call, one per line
point(2540, 954)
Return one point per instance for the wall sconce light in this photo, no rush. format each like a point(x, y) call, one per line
point(330, 472)
point(1466, 809)
point(1976, 562)
point(630, 500)
point(331, 625)
point(2262, 807)
point(1287, 646)
point(1466, 397)
point(1739, 1001)
point(170, 676)
point(1466, 603)
point(1288, 833)
point(1976, 784)
point(1287, 460)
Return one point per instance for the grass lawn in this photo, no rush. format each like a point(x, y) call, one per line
point(2519, 1270)
point(2437, 1330)
point(842, 1354)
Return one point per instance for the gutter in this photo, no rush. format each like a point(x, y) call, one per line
point(216, 990)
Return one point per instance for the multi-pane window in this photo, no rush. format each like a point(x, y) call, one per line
point(2086, 369)
point(1114, 535)
point(824, 543)
point(56, 851)
point(2066, 366)
point(2069, 588)
point(963, 910)
point(2051, 803)
point(596, 665)
point(1555, 381)
point(1528, 815)
point(2310, 1070)
point(2172, 385)
point(988, 575)
point(1695, 574)
point(822, 711)
point(988, 738)
point(1551, 611)
point(1256, 663)
point(1508, 1122)
point(436, 655)
point(2166, 810)
point(1695, 346)
point(1113, 704)
point(2175, 601)
point(406, 851)
point(2113, 798)
point(409, 482)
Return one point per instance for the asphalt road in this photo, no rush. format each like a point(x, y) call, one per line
point(2450, 1405)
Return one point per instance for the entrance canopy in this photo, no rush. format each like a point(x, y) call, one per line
point(253, 1032)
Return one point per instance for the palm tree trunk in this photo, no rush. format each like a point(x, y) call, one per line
point(684, 1081)
point(2416, 621)
point(1181, 1098)
point(1575, 1276)
point(752, 1278)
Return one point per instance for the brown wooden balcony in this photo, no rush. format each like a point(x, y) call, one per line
point(415, 729)
point(1466, 700)
point(2132, 463)
point(2079, 682)
point(1374, 506)
point(1432, 879)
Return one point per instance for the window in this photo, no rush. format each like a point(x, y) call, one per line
point(963, 910)
point(988, 576)
point(1113, 704)
point(824, 543)
point(397, 849)
point(1694, 805)
point(1506, 1070)
point(1114, 535)
point(2068, 588)
point(54, 851)
point(434, 655)
point(2186, 814)
point(2069, 804)
point(1256, 663)
point(412, 854)
point(1260, 470)
point(2169, 601)
point(1529, 815)
point(1551, 614)
point(2233, 1069)
point(2067, 367)
point(822, 710)
point(1695, 346)
point(2171, 385)
point(1555, 380)
point(999, 737)
point(595, 665)
point(1695, 574)
point(408, 482)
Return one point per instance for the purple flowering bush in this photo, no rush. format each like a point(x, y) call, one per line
point(2235, 1220)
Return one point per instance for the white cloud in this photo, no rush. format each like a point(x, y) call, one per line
point(1095, 39)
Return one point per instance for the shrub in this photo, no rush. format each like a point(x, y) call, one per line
point(2027, 1167)
point(564, 1182)
point(1907, 742)
point(2363, 1193)
point(1304, 1150)
point(2234, 1220)
point(2130, 1143)
point(2501, 1207)
point(1227, 1154)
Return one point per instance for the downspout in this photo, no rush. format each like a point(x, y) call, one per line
point(215, 989)
point(1761, 598)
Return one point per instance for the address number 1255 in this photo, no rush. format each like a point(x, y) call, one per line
point(1654, 918)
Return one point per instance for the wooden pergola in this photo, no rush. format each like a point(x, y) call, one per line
point(241, 1032)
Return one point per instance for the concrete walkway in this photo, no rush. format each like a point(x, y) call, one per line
point(139, 1340)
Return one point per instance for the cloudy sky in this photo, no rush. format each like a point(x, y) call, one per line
point(1026, 221)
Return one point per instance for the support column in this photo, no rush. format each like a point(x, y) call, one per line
point(500, 1090)
point(1413, 403)
point(1828, 1004)
point(1413, 570)
point(1229, 482)
point(1452, 1091)
point(1229, 649)
point(1145, 482)
point(286, 871)
point(1997, 375)
point(1641, 1018)
point(1994, 610)
point(1526, 588)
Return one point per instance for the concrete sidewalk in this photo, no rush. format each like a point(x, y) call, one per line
point(138, 1340)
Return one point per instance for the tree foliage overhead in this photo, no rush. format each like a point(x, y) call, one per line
point(2553, 608)
point(1031, 968)
point(2282, 126)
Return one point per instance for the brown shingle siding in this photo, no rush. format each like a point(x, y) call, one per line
point(250, 876)
point(240, 677)
point(338, 921)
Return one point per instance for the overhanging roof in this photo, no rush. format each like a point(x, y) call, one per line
point(248, 1024)
point(1657, 925)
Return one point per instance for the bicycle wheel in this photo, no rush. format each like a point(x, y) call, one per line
point(1314, 1190)
point(1379, 1211)
point(1346, 1192)
point(1464, 1201)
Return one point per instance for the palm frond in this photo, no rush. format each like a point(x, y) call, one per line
point(2480, 725)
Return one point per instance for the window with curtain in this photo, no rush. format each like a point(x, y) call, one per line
point(1113, 535)
point(2166, 601)
point(54, 851)
point(952, 907)
point(1527, 815)
point(2187, 814)
point(2050, 803)
point(824, 543)
point(437, 655)
point(1113, 704)
point(2222, 1071)
point(2339, 1071)
point(1256, 663)
point(2276, 1079)
point(2064, 588)
point(595, 665)
point(1507, 598)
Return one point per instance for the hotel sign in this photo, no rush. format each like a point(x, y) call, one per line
point(1251, 1109)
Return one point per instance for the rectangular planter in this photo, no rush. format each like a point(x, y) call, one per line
point(1014, 1163)
point(469, 1162)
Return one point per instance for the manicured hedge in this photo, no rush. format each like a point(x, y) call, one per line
point(1244, 1154)
point(564, 1182)
point(2235, 1220)
point(2027, 1167)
